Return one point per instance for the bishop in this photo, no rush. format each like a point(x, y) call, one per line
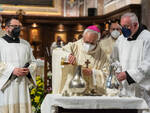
point(87, 53)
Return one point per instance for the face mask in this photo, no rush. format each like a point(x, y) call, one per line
point(88, 47)
point(16, 32)
point(126, 32)
point(115, 34)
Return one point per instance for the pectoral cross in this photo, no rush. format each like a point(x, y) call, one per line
point(87, 63)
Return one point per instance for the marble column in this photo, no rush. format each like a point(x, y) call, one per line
point(100, 7)
point(146, 13)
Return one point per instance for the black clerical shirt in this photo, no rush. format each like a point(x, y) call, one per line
point(134, 37)
point(10, 39)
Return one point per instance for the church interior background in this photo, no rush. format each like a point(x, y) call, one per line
point(44, 20)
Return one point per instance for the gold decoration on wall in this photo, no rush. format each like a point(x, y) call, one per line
point(34, 10)
point(20, 14)
point(35, 35)
point(80, 28)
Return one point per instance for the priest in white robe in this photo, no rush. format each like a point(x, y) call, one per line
point(17, 70)
point(87, 53)
point(132, 51)
point(58, 44)
point(107, 43)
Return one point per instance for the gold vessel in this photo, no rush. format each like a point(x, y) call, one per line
point(64, 62)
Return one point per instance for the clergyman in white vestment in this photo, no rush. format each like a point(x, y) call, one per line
point(15, 77)
point(132, 50)
point(78, 53)
point(107, 43)
point(58, 44)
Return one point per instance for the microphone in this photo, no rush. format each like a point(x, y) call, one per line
point(26, 65)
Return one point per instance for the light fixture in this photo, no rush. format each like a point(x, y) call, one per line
point(34, 25)
point(60, 27)
point(20, 13)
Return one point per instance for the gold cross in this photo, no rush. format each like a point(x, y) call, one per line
point(87, 63)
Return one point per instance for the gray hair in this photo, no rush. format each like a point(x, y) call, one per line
point(132, 16)
point(91, 31)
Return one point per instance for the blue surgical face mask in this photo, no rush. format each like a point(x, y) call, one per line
point(126, 32)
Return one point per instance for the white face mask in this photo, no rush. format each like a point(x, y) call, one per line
point(115, 34)
point(88, 47)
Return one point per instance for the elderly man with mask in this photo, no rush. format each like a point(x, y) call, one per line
point(131, 52)
point(108, 43)
point(87, 49)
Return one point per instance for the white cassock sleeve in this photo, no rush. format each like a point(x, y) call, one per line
point(115, 54)
point(5, 73)
point(32, 68)
point(142, 74)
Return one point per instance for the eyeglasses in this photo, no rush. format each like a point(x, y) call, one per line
point(115, 29)
point(14, 26)
point(92, 43)
point(126, 26)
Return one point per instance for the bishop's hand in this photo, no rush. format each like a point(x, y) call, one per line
point(21, 71)
point(72, 59)
point(87, 71)
point(121, 76)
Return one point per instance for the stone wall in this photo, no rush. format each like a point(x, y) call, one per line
point(100, 7)
point(89, 4)
point(112, 5)
point(146, 13)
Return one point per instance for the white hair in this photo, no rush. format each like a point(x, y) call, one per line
point(132, 16)
point(91, 31)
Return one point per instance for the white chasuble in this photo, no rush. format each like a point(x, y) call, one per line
point(134, 57)
point(98, 63)
point(14, 91)
point(107, 45)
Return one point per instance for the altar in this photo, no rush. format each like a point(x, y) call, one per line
point(55, 103)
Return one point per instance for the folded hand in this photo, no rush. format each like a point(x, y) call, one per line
point(20, 71)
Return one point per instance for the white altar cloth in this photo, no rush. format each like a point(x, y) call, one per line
point(91, 102)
